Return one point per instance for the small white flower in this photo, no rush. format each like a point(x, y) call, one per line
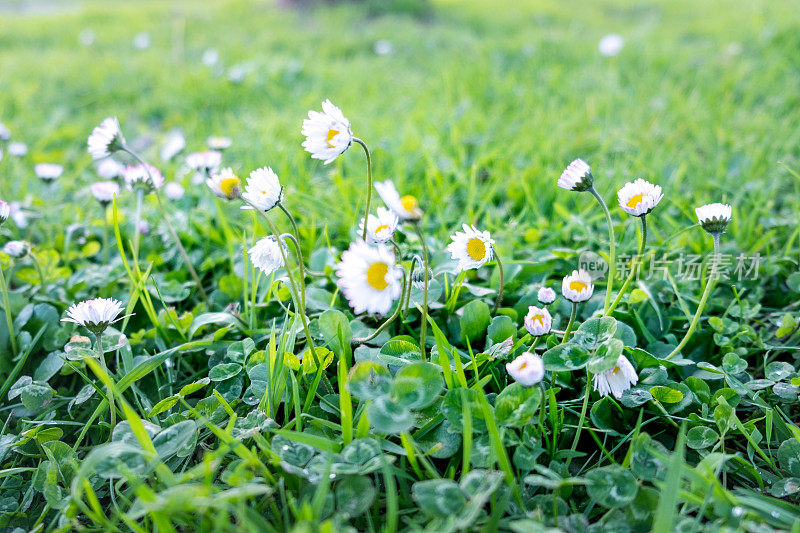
point(5, 211)
point(266, 255)
point(141, 41)
point(219, 143)
point(263, 189)
point(17, 149)
point(95, 315)
point(383, 47)
point(538, 321)
point(546, 296)
point(104, 191)
point(173, 190)
point(18, 215)
point(48, 171)
point(639, 197)
point(616, 380)
point(368, 278)
point(5, 133)
point(144, 227)
point(210, 57)
point(105, 139)
point(611, 45)
point(577, 287)
point(174, 144)
point(380, 227)
point(576, 177)
point(86, 37)
point(225, 184)
point(527, 369)
point(327, 134)
point(471, 248)
point(17, 249)
point(714, 217)
point(144, 177)
point(109, 168)
point(406, 207)
point(204, 162)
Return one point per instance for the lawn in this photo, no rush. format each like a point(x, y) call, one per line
point(264, 399)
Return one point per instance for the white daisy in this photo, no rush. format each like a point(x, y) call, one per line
point(266, 255)
point(174, 144)
point(109, 168)
point(546, 295)
point(714, 217)
point(105, 139)
point(219, 143)
point(527, 369)
point(578, 286)
point(263, 190)
point(5, 133)
point(95, 315)
point(225, 184)
point(5, 211)
point(17, 249)
point(327, 134)
point(639, 197)
point(210, 57)
point(104, 191)
point(144, 177)
point(406, 207)
point(368, 278)
point(611, 45)
point(173, 190)
point(576, 177)
point(17, 149)
point(380, 227)
point(538, 321)
point(141, 41)
point(18, 215)
point(471, 248)
point(48, 171)
point(616, 380)
point(204, 162)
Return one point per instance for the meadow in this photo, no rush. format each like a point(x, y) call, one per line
point(245, 385)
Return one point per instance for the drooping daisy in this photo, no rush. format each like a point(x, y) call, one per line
point(17, 149)
point(577, 287)
point(714, 217)
point(17, 249)
point(576, 177)
point(527, 369)
point(471, 248)
point(266, 255)
point(538, 321)
point(616, 380)
point(173, 190)
point(174, 144)
point(5, 211)
point(368, 278)
point(204, 162)
point(104, 191)
point(263, 190)
point(546, 295)
point(225, 184)
point(406, 207)
point(639, 197)
point(48, 171)
point(95, 315)
point(5, 133)
point(327, 134)
point(219, 143)
point(105, 139)
point(108, 168)
point(418, 276)
point(380, 227)
point(144, 177)
point(611, 45)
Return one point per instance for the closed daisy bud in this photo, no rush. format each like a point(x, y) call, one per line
point(17, 249)
point(5, 211)
point(219, 143)
point(576, 177)
point(48, 171)
point(106, 139)
point(616, 380)
point(577, 287)
point(327, 134)
point(95, 315)
point(527, 369)
point(104, 191)
point(266, 255)
point(639, 197)
point(418, 278)
point(263, 190)
point(174, 190)
point(146, 178)
point(380, 227)
point(714, 217)
point(546, 295)
point(225, 184)
point(406, 207)
point(368, 278)
point(471, 248)
point(204, 162)
point(538, 321)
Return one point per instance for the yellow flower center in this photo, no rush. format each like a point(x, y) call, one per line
point(331, 135)
point(577, 286)
point(524, 365)
point(376, 276)
point(381, 228)
point(540, 318)
point(228, 186)
point(616, 369)
point(409, 203)
point(635, 200)
point(476, 249)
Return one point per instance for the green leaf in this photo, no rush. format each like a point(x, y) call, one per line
point(611, 486)
point(331, 322)
point(355, 495)
point(164, 405)
point(175, 438)
point(389, 417)
point(191, 388)
point(417, 385)
point(605, 356)
point(501, 328)
point(369, 380)
point(793, 281)
point(399, 352)
point(517, 405)
point(36, 395)
point(224, 371)
point(778, 371)
point(565, 357)
point(701, 437)
point(789, 456)
point(439, 497)
point(475, 318)
point(666, 394)
point(325, 356)
point(595, 331)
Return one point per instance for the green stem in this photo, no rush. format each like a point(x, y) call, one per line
point(297, 241)
point(406, 297)
point(369, 185)
point(502, 281)
point(39, 270)
point(389, 320)
point(426, 274)
point(570, 323)
point(582, 418)
point(7, 309)
point(98, 346)
point(634, 267)
point(136, 236)
point(106, 232)
point(301, 266)
point(612, 251)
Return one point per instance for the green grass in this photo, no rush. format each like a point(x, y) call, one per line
point(476, 111)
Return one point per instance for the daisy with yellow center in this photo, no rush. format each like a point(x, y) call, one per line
point(225, 184)
point(368, 278)
point(617, 379)
point(577, 287)
point(639, 197)
point(538, 321)
point(263, 190)
point(380, 227)
point(327, 133)
point(405, 207)
point(471, 248)
point(527, 369)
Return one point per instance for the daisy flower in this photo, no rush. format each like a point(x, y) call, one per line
point(266, 255)
point(611, 45)
point(225, 184)
point(368, 278)
point(145, 177)
point(406, 207)
point(104, 191)
point(18, 215)
point(471, 248)
point(95, 315)
point(577, 287)
point(173, 190)
point(263, 190)
point(576, 177)
point(538, 321)
point(380, 227)
point(174, 144)
point(48, 171)
point(639, 197)
point(106, 139)
point(17, 149)
point(616, 380)
point(327, 134)
point(5, 211)
point(714, 217)
point(204, 162)
point(17, 249)
point(527, 369)
point(546, 295)
point(219, 143)
point(109, 168)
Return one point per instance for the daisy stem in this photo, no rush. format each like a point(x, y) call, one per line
point(426, 275)
point(502, 281)
point(612, 248)
point(582, 418)
point(139, 200)
point(7, 308)
point(398, 309)
point(634, 268)
point(570, 323)
point(98, 346)
point(369, 184)
point(297, 241)
point(407, 297)
point(39, 270)
point(300, 264)
point(106, 232)
point(182, 250)
point(533, 344)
